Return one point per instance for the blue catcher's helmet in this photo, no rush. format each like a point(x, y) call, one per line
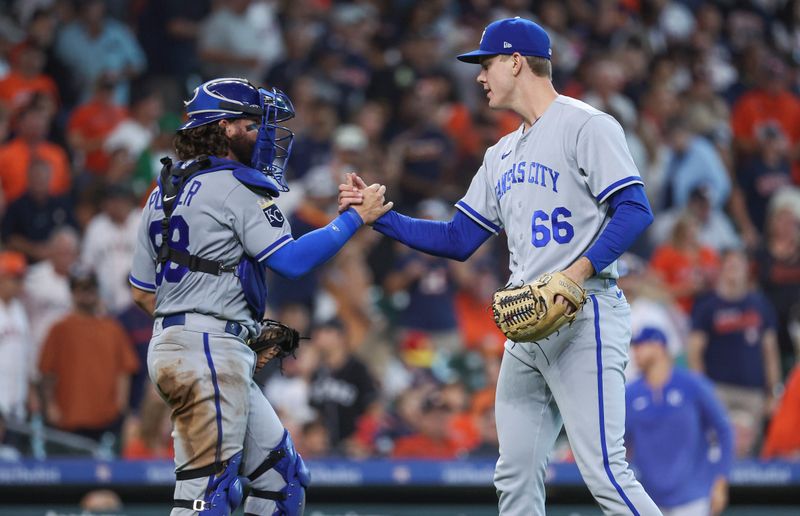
point(228, 98)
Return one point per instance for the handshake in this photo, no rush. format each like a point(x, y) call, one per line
point(368, 201)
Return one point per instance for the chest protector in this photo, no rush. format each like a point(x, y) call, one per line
point(171, 182)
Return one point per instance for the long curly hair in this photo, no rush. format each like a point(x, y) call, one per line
point(208, 139)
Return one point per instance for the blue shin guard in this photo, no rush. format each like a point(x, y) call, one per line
point(224, 492)
point(284, 459)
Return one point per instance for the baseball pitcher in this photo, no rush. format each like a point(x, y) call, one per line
point(565, 190)
point(207, 233)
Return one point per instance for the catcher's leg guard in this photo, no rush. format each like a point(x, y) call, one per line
point(224, 492)
point(284, 459)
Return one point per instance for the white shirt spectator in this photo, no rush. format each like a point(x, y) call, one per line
point(15, 360)
point(47, 299)
point(108, 249)
point(130, 136)
point(253, 33)
point(290, 396)
point(649, 312)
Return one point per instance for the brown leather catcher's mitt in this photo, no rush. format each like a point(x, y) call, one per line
point(529, 313)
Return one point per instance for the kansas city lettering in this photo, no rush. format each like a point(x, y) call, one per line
point(526, 172)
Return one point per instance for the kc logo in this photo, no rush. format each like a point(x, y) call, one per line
point(272, 213)
point(274, 216)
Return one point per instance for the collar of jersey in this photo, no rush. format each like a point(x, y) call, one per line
point(246, 175)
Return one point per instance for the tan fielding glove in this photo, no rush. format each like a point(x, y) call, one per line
point(529, 313)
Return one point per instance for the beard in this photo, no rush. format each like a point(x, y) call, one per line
point(242, 148)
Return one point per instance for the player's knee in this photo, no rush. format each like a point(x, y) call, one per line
point(283, 459)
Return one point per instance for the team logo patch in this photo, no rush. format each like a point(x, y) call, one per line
point(273, 214)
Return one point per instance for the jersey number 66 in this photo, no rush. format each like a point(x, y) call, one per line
point(562, 231)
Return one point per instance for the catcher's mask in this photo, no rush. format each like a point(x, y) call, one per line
point(230, 98)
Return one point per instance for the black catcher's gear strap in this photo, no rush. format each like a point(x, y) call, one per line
point(169, 196)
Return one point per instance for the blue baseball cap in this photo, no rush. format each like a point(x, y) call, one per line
point(508, 36)
point(649, 334)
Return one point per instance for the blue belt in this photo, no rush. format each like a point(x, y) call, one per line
point(232, 327)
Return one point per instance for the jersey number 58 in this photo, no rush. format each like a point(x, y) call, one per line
point(179, 240)
point(554, 226)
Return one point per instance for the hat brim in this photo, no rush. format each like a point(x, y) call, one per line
point(475, 56)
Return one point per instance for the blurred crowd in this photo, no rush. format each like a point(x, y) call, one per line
point(403, 355)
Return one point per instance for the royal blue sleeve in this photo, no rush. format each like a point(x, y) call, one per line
point(714, 418)
point(301, 256)
point(456, 239)
point(630, 216)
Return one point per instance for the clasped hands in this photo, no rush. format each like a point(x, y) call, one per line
point(368, 201)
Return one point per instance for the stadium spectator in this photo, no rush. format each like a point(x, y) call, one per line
point(673, 420)
point(658, 105)
point(31, 219)
point(312, 146)
point(100, 500)
point(240, 38)
point(771, 102)
point(348, 281)
point(30, 144)
point(783, 439)
point(422, 153)
point(15, 348)
point(342, 388)
point(714, 228)
point(431, 439)
point(348, 145)
point(461, 422)
point(95, 46)
point(86, 363)
point(108, 245)
point(90, 124)
point(733, 342)
point(170, 41)
point(289, 392)
point(148, 436)
point(766, 172)
point(134, 135)
point(26, 78)
point(693, 162)
point(651, 305)
point(47, 297)
point(314, 441)
point(139, 326)
point(488, 445)
point(705, 111)
point(606, 80)
point(778, 267)
point(480, 279)
point(429, 285)
point(149, 165)
point(5, 123)
point(687, 266)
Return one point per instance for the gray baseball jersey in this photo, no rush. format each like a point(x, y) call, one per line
point(217, 218)
point(547, 186)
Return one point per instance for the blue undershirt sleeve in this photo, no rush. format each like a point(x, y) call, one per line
point(301, 256)
point(456, 239)
point(630, 216)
